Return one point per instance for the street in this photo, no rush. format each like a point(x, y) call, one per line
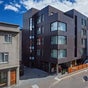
point(72, 81)
point(34, 78)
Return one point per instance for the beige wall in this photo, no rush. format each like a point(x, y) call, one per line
point(12, 48)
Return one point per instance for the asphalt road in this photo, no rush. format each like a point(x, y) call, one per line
point(35, 78)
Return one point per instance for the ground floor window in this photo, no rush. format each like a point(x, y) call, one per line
point(3, 79)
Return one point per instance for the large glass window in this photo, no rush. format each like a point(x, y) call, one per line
point(58, 26)
point(54, 53)
point(62, 39)
point(8, 38)
point(54, 40)
point(62, 53)
point(4, 57)
point(54, 26)
point(58, 40)
point(3, 79)
point(62, 26)
point(59, 53)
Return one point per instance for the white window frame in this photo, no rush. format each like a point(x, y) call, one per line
point(9, 38)
point(4, 58)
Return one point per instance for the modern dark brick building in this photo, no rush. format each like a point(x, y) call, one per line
point(53, 39)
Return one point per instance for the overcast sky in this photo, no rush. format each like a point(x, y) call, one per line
point(11, 10)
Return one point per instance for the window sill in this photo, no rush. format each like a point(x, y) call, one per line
point(7, 43)
point(3, 62)
point(2, 84)
point(61, 58)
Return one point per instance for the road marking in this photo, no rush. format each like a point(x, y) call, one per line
point(35, 86)
point(83, 80)
point(56, 78)
point(85, 70)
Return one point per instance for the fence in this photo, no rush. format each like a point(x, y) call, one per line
point(76, 68)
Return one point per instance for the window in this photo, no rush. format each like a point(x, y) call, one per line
point(31, 37)
point(83, 51)
point(31, 47)
point(54, 26)
point(39, 20)
point(38, 52)
point(83, 42)
point(62, 40)
point(31, 58)
point(83, 32)
point(62, 26)
point(59, 53)
point(58, 26)
point(8, 38)
point(54, 40)
point(39, 30)
point(51, 13)
point(42, 17)
point(4, 57)
point(38, 41)
point(3, 78)
point(54, 53)
point(83, 22)
point(62, 53)
point(59, 40)
point(30, 23)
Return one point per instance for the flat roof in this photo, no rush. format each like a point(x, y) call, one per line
point(9, 24)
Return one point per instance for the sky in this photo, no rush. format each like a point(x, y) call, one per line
point(11, 11)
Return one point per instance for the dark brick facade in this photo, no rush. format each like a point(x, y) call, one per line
point(74, 26)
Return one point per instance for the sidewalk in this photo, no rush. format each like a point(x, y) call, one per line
point(60, 76)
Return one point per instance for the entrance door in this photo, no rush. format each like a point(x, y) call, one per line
point(13, 77)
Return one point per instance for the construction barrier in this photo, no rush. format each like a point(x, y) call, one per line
point(76, 68)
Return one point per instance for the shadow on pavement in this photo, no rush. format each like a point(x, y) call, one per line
point(30, 73)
